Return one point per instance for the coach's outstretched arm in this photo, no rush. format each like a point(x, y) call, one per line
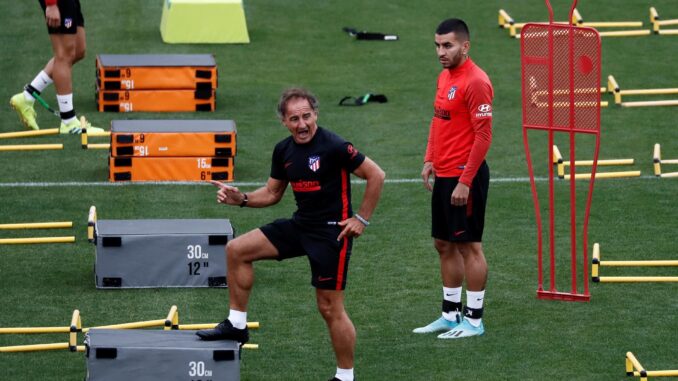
point(269, 194)
point(369, 171)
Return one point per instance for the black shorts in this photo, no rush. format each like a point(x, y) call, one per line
point(460, 223)
point(71, 17)
point(328, 257)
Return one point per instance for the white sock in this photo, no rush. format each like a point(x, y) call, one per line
point(40, 83)
point(474, 299)
point(344, 374)
point(65, 105)
point(452, 294)
point(238, 318)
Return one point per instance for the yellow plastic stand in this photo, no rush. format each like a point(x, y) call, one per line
point(204, 21)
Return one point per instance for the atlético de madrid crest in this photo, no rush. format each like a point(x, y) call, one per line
point(314, 163)
point(450, 94)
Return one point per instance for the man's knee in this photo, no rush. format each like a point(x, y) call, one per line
point(79, 55)
point(330, 308)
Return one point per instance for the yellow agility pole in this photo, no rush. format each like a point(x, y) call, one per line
point(31, 147)
point(668, 32)
point(32, 240)
point(29, 134)
point(250, 346)
point(133, 325)
point(31, 330)
point(672, 102)
point(172, 320)
point(626, 33)
point(605, 175)
point(191, 327)
point(34, 347)
point(37, 225)
point(91, 223)
point(75, 327)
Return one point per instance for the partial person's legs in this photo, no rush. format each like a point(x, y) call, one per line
point(342, 331)
point(476, 278)
point(452, 274)
point(241, 252)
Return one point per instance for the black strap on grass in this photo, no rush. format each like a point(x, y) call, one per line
point(362, 35)
point(359, 101)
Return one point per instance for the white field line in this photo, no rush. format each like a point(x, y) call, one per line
point(237, 184)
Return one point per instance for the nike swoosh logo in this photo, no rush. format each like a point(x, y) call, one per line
point(460, 232)
point(323, 279)
point(288, 164)
point(450, 294)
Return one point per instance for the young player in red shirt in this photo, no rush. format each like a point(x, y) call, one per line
point(459, 138)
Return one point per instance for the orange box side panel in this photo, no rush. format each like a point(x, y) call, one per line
point(156, 144)
point(155, 100)
point(147, 78)
point(170, 169)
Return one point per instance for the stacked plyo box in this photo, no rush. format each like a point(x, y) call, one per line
point(156, 82)
point(172, 150)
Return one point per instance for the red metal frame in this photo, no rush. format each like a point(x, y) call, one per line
point(583, 116)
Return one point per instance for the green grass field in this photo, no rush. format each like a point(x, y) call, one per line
point(394, 281)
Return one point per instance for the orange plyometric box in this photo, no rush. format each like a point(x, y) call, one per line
point(156, 71)
point(170, 168)
point(155, 100)
point(159, 138)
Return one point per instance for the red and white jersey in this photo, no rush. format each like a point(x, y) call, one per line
point(461, 128)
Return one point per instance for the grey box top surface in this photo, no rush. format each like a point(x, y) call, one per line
point(144, 338)
point(148, 227)
point(156, 59)
point(170, 125)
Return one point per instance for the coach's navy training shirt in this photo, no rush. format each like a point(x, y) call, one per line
point(319, 173)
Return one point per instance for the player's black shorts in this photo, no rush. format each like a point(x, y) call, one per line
point(328, 257)
point(460, 223)
point(71, 17)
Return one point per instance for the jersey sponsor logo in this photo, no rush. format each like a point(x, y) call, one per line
point(305, 185)
point(68, 23)
point(484, 110)
point(314, 163)
point(441, 113)
point(450, 94)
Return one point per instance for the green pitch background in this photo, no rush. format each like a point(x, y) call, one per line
point(394, 282)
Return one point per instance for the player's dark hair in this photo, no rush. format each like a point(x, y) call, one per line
point(295, 93)
point(457, 26)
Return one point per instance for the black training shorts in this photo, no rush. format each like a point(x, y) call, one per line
point(328, 257)
point(460, 223)
point(71, 17)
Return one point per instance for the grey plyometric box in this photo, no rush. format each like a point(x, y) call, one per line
point(161, 253)
point(159, 355)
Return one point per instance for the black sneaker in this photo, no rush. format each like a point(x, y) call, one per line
point(336, 379)
point(225, 331)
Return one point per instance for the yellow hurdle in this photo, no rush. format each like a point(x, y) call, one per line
point(577, 19)
point(613, 87)
point(84, 139)
point(596, 263)
point(37, 225)
point(29, 134)
point(561, 163)
point(657, 160)
point(31, 147)
point(32, 240)
point(657, 23)
point(634, 368)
